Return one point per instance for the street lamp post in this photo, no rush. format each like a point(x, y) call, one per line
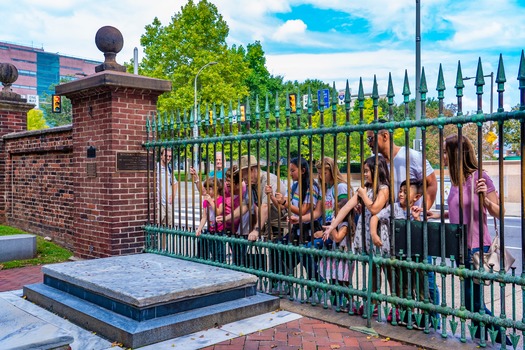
point(195, 118)
point(491, 75)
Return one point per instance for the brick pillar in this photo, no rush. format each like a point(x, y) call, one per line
point(13, 118)
point(109, 113)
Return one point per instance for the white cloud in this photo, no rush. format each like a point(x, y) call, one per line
point(290, 30)
point(482, 28)
point(353, 66)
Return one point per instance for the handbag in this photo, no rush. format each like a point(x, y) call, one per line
point(492, 257)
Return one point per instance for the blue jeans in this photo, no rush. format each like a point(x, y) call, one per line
point(433, 289)
point(473, 298)
point(312, 263)
point(473, 301)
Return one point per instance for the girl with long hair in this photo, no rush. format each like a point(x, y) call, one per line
point(372, 206)
point(333, 181)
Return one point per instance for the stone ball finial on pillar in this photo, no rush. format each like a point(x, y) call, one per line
point(109, 40)
point(8, 75)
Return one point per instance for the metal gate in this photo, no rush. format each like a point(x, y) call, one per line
point(423, 281)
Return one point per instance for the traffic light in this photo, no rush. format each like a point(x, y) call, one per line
point(57, 104)
point(293, 102)
point(243, 113)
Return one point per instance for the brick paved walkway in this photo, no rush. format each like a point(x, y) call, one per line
point(303, 334)
point(14, 279)
point(309, 334)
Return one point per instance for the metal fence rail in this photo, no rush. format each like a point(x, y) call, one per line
point(424, 284)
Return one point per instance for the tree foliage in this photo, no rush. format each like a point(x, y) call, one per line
point(35, 120)
point(195, 37)
point(56, 119)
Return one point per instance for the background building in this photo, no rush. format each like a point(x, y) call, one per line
point(38, 70)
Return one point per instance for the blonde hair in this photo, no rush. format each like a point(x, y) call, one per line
point(334, 170)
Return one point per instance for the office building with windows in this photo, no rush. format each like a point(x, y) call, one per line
point(39, 70)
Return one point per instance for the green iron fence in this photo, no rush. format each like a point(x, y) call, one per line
point(424, 279)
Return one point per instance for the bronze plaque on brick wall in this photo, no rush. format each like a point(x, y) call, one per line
point(91, 169)
point(133, 161)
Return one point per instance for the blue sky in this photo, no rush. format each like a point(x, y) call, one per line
point(328, 40)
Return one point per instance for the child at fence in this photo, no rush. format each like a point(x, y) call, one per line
point(212, 206)
point(372, 206)
point(237, 212)
point(336, 193)
point(406, 199)
point(339, 271)
point(305, 201)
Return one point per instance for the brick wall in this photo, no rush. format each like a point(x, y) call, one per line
point(13, 118)
point(111, 208)
point(39, 183)
point(49, 186)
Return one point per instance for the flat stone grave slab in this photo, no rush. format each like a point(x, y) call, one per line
point(147, 298)
point(21, 330)
point(143, 280)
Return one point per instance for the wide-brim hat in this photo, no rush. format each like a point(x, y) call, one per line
point(247, 162)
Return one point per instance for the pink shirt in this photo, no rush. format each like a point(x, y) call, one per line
point(453, 210)
point(229, 208)
point(213, 226)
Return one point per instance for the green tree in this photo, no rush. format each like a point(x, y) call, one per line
point(56, 119)
point(35, 120)
point(260, 82)
point(195, 36)
point(512, 132)
point(329, 144)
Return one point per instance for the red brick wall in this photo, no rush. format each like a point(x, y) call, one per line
point(46, 185)
point(39, 183)
point(111, 208)
point(13, 118)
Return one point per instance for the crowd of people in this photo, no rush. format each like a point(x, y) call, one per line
point(323, 211)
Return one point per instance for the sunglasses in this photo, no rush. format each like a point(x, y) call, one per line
point(371, 139)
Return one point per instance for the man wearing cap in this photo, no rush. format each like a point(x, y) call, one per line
point(263, 184)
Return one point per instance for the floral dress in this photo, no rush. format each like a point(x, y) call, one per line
point(382, 228)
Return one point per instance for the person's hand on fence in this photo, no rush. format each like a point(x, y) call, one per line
point(436, 215)
point(481, 186)
point(327, 230)
point(198, 232)
point(219, 219)
point(293, 219)
point(416, 212)
point(279, 197)
point(253, 236)
point(268, 190)
point(376, 240)
point(361, 191)
point(194, 175)
point(208, 198)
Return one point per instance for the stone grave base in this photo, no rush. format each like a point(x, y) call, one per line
point(143, 299)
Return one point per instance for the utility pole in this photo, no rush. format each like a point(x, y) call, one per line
point(417, 141)
point(195, 117)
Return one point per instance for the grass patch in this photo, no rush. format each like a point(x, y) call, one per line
point(46, 252)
